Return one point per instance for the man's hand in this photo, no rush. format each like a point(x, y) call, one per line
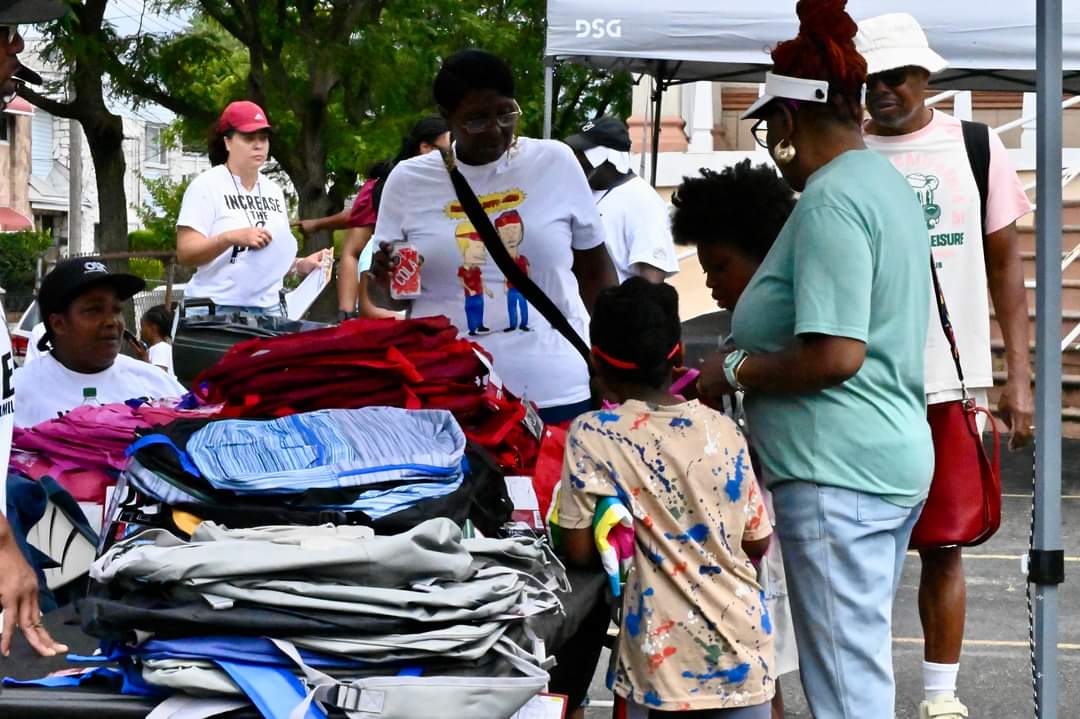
point(19, 599)
point(1018, 409)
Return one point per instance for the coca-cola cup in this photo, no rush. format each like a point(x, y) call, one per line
point(405, 275)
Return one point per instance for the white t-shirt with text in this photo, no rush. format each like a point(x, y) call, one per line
point(935, 163)
point(7, 404)
point(637, 228)
point(537, 197)
point(48, 389)
point(216, 202)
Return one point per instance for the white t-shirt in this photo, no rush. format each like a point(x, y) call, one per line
point(48, 389)
point(161, 356)
point(7, 405)
point(32, 351)
point(216, 202)
point(542, 183)
point(637, 228)
point(936, 165)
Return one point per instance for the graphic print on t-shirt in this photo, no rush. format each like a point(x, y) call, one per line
point(474, 256)
point(256, 209)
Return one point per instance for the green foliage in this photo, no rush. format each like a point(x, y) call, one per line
point(147, 268)
point(159, 218)
point(19, 253)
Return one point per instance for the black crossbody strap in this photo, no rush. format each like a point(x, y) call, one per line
point(517, 277)
point(946, 324)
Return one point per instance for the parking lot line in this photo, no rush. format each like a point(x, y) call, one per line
point(1005, 557)
point(1028, 496)
point(989, 643)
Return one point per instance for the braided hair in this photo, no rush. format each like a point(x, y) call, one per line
point(636, 332)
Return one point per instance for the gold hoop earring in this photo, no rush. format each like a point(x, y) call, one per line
point(784, 152)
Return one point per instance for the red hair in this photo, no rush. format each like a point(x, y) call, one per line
point(510, 217)
point(824, 49)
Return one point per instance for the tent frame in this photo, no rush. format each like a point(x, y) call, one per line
point(1044, 563)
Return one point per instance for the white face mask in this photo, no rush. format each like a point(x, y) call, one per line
point(597, 156)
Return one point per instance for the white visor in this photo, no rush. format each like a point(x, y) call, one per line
point(789, 88)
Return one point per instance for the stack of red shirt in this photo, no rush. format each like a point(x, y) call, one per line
point(414, 364)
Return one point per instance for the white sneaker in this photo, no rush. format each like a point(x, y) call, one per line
point(943, 707)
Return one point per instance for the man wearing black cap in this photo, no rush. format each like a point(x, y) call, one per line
point(18, 583)
point(81, 303)
point(637, 224)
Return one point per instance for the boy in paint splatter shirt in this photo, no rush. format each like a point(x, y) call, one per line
point(696, 635)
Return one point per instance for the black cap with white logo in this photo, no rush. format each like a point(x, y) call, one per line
point(29, 12)
point(71, 278)
point(608, 132)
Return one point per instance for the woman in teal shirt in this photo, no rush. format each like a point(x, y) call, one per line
point(830, 334)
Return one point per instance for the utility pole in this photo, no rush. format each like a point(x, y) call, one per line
point(75, 183)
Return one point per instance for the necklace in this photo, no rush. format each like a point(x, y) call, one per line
point(258, 187)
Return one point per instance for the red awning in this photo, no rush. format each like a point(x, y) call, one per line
point(12, 221)
point(19, 106)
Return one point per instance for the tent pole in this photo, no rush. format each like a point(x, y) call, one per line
point(549, 95)
point(658, 107)
point(1046, 560)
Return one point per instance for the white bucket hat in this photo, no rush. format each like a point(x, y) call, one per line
point(896, 40)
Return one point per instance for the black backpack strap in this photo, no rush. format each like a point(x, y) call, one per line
point(977, 144)
point(498, 252)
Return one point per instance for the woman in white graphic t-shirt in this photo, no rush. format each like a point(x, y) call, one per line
point(234, 223)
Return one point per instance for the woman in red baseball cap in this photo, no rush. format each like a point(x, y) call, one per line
point(234, 223)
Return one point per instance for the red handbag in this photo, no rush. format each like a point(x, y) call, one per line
point(964, 505)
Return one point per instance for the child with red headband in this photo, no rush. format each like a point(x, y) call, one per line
point(696, 637)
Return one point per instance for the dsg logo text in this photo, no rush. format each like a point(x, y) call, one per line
point(598, 28)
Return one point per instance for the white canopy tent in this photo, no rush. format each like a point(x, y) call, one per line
point(996, 45)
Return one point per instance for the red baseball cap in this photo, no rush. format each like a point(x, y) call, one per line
point(243, 116)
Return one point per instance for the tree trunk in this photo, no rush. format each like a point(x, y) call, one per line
point(105, 137)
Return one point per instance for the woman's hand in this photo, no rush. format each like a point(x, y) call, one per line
point(307, 227)
point(252, 238)
point(712, 385)
point(306, 265)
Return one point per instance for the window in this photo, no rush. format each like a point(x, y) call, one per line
point(7, 128)
point(157, 152)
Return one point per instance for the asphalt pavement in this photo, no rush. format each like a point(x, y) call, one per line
point(995, 671)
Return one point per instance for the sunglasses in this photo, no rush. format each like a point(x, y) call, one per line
point(486, 124)
point(890, 78)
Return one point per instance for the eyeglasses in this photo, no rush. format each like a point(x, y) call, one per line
point(486, 124)
point(890, 78)
point(760, 131)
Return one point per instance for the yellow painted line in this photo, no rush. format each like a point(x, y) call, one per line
point(988, 643)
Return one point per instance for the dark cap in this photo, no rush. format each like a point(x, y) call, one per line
point(71, 278)
point(27, 12)
point(602, 132)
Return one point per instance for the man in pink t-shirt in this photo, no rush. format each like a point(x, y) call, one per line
point(971, 251)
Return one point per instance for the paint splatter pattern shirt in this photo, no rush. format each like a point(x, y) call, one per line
point(696, 633)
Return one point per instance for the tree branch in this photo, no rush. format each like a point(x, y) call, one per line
point(69, 110)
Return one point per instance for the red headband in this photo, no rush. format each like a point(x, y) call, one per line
point(622, 364)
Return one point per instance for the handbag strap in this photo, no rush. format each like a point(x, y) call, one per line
point(946, 325)
point(518, 277)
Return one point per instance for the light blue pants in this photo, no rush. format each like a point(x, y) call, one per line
point(844, 553)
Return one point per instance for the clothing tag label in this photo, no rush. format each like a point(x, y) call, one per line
point(532, 420)
point(543, 706)
point(522, 493)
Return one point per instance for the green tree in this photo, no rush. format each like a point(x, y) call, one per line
point(342, 80)
point(80, 43)
point(19, 255)
point(158, 217)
